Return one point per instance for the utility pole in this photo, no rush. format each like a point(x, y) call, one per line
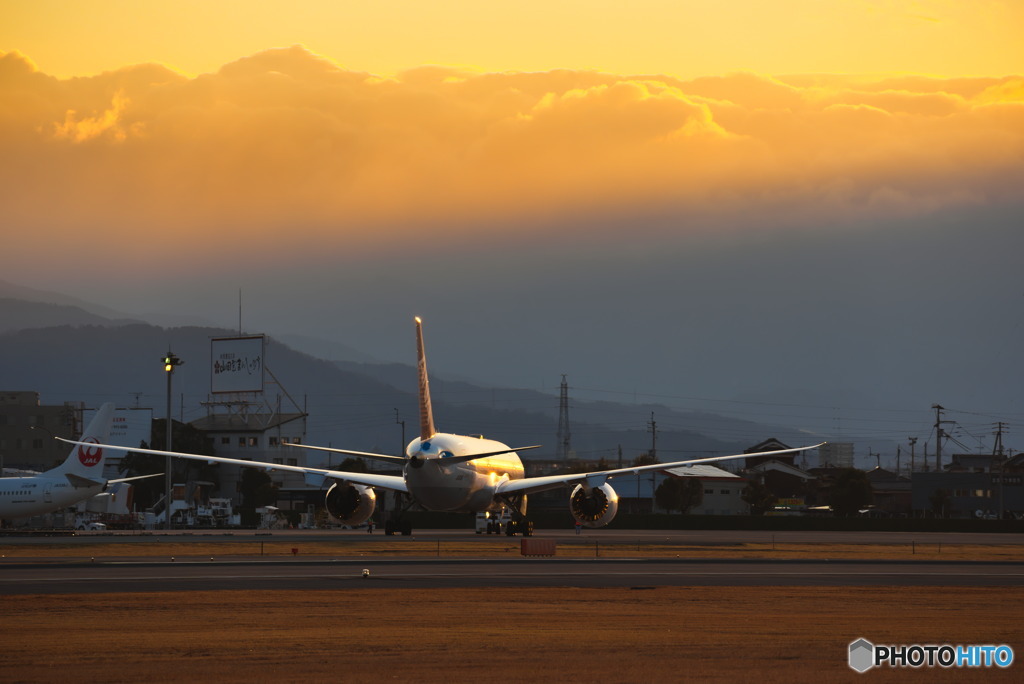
point(997, 446)
point(401, 451)
point(564, 438)
point(938, 435)
point(997, 452)
point(653, 427)
point(913, 441)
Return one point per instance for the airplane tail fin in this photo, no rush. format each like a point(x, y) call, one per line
point(87, 461)
point(426, 411)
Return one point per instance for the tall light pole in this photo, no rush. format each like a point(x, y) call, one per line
point(170, 362)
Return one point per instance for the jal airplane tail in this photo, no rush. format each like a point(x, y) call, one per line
point(426, 411)
point(84, 465)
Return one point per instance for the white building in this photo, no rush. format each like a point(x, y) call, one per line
point(723, 491)
point(835, 455)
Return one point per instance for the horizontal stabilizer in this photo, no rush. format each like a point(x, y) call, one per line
point(79, 482)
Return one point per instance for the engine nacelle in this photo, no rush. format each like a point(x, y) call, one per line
point(350, 504)
point(594, 508)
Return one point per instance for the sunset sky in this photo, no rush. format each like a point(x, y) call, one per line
point(625, 192)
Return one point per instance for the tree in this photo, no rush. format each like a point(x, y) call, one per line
point(850, 492)
point(940, 502)
point(353, 465)
point(145, 492)
point(758, 497)
point(257, 489)
point(185, 438)
point(644, 459)
point(679, 493)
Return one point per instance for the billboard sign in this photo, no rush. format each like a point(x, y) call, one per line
point(128, 427)
point(236, 364)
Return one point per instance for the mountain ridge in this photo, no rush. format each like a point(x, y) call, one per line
point(93, 359)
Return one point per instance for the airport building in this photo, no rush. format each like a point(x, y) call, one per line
point(722, 490)
point(27, 431)
point(835, 455)
point(259, 436)
point(242, 423)
point(971, 486)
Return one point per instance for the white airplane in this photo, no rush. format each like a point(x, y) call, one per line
point(79, 477)
point(458, 473)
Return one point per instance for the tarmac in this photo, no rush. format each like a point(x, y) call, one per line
point(34, 575)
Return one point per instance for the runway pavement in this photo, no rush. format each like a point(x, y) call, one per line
point(120, 577)
point(695, 537)
point(124, 573)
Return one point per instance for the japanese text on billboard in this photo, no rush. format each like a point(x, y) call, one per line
point(237, 364)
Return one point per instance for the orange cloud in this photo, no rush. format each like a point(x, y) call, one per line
point(285, 146)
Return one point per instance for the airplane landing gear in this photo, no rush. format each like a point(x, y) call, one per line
point(521, 526)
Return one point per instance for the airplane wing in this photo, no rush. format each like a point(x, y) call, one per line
point(314, 476)
point(529, 485)
point(449, 460)
point(348, 452)
point(137, 477)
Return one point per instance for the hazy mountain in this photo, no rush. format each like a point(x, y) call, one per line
point(18, 314)
point(329, 350)
point(67, 352)
point(64, 303)
point(95, 363)
point(357, 405)
point(67, 310)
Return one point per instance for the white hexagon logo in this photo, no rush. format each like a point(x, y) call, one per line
point(862, 655)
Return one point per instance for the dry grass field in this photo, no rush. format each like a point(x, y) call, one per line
point(716, 634)
point(660, 634)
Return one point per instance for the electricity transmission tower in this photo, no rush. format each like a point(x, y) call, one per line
point(564, 437)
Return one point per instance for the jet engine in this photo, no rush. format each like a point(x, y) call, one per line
point(594, 507)
point(350, 504)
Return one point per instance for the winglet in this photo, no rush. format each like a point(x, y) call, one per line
point(426, 411)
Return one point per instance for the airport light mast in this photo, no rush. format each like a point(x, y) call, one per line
point(170, 363)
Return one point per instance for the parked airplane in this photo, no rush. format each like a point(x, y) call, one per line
point(79, 477)
point(458, 473)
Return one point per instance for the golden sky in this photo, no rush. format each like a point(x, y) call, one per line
point(324, 121)
point(682, 38)
point(586, 169)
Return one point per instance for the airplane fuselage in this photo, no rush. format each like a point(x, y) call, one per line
point(468, 486)
point(24, 497)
